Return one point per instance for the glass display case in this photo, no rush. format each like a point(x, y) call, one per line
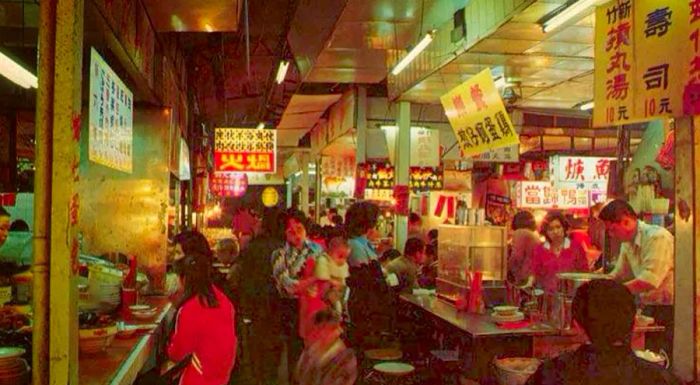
point(463, 249)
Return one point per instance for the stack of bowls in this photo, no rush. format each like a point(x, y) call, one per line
point(13, 369)
point(104, 286)
point(96, 340)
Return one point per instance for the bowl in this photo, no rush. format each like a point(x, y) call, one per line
point(96, 340)
point(140, 308)
point(144, 314)
point(505, 311)
point(516, 370)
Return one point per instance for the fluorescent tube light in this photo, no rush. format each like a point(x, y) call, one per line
point(261, 125)
point(282, 71)
point(587, 106)
point(413, 53)
point(567, 14)
point(13, 71)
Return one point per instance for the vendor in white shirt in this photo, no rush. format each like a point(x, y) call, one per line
point(645, 265)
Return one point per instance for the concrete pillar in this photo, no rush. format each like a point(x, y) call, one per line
point(686, 362)
point(304, 201)
point(317, 189)
point(361, 119)
point(56, 247)
point(402, 159)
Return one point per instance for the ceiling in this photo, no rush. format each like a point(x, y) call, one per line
point(553, 70)
point(353, 46)
point(194, 15)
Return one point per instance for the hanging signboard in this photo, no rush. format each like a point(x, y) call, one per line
point(245, 150)
point(509, 154)
point(425, 179)
point(425, 145)
point(646, 63)
point(338, 166)
point(545, 195)
point(587, 172)
point(497, 209)
point(378, 175)
point(111, 107)
point(232, 185)
point(478, 117)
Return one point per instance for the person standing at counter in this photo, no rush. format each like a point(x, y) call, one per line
point(605, 310)
point(370, 303)
point(523, 243)
point(205, 324)
point(288, 264)
point(645, 265)
point(556, 255)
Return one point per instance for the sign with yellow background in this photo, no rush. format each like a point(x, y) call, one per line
point(478, 117)
point(643, 51)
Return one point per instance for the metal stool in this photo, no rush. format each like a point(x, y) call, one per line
point(393, 372)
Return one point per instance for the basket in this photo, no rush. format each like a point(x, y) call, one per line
point(515, 371)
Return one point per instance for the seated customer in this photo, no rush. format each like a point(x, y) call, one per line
point(605, 310)
point(407, 266)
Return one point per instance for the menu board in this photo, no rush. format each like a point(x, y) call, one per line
point(111, 117)
point(245, 150)
point(478, 117)
point(647, 63)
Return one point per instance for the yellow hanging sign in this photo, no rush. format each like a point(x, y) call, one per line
point(643, 50)
point(478, 117)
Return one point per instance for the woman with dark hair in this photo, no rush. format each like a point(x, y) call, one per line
point(522, 247)
point(360, 219)
point(557, 255)
point(371, 304)
point(205, 324)
point(259, 299)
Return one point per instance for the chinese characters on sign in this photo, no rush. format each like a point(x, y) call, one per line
point(580, 172)
point(379, 175)
point(111, 117)
point(546, 195)
point(644, 67)
point(477, 116)
point(245, 150)
point(342, 167)
point(510, 154)
point(228, 184)
point(425, 179)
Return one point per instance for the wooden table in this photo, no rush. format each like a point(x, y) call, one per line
point(483, 340)
point(121, 363)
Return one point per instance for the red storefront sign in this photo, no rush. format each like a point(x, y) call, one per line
point(245, 150)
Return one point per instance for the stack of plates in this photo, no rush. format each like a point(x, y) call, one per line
point(500, 318)
point(13, 369)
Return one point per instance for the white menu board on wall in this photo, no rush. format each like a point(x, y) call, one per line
point(111, 117)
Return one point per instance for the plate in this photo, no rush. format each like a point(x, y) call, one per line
point(10, 352)
point(518, 316)
point(394, 368)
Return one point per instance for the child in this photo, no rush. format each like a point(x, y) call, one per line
point(326, 359)
point(332, 268)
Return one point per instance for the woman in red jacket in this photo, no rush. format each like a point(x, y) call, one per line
point(205, 326)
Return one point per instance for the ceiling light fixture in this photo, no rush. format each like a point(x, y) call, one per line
point(282, 71)
point(16, 73)
point(261, 125)
point(567, 14)
point(413, 53)
point(587, 106)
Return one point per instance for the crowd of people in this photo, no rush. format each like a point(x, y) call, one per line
point(313, 298)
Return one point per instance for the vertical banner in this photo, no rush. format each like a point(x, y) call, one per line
point(478, 117)
point(645, 52)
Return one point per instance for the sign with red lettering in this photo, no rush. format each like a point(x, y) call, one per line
point(587, 172)
point(245, 150)
point(545, 195)
point(228, 184)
